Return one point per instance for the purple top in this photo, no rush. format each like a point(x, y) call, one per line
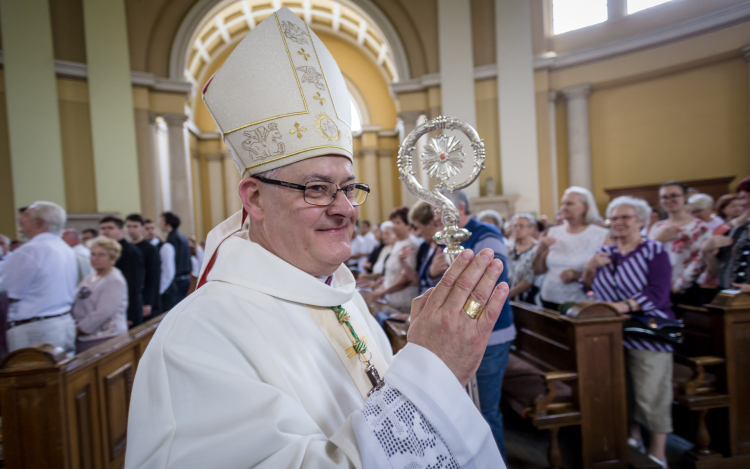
point(645, 275)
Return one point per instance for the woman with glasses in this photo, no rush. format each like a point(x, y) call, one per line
point(520, 256)
point(634, 277)
point(683, 236)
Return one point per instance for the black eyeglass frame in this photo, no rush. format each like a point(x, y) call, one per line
point(303, 188)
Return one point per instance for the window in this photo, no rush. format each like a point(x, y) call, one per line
point(638, 5)
point(568, 15)
point(356, 120)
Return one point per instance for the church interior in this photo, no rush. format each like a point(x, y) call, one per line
point(102, 113)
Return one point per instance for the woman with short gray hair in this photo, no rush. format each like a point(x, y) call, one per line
point(634, 277)
point(563, 253)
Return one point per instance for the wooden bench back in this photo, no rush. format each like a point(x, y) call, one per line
point(70, 413)
point(588, 341)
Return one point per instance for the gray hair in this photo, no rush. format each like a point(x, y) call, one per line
point(592, 213)
point(75, 233)
point(53, 216)
point(527, 216)
point(458, 197)
point(5, 238)
point(385, 225)
point(701, 202)
point(493, 215)
point(641, 207)
point(270, 174)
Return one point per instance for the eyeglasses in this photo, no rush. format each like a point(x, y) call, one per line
point(671, 196)
point(621, 218)
point(323, 193)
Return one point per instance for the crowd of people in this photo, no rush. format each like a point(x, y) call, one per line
point(639, 259)
point(76, 290)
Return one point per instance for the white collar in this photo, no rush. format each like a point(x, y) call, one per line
point(246, 264)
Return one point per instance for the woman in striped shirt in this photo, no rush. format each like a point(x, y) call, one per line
point(634, 276)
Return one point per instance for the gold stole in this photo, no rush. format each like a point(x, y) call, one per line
point(329, 325)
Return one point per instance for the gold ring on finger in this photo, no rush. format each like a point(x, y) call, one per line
point(473, 309)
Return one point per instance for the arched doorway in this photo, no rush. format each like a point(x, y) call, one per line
point(369, 61)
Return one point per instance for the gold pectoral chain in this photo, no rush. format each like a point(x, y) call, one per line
point(359, 347)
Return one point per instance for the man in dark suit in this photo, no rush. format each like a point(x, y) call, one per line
point(168, 223)
point(134, 224)
point(131, 264)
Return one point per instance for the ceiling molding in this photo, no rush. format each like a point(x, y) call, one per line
point(78, 70)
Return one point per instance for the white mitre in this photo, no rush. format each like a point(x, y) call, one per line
point(279, 98)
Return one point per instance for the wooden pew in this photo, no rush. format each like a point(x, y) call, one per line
point(717, 353)
point(568, 370)
point(70, 412)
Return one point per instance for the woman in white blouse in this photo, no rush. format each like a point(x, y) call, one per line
point(683, 236)
point(101, 304)
point(563, 253)
point(398, 289)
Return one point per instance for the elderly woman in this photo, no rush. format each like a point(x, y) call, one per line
point(101, 304)
point(634, 276)
point(566, 248)
point(702, 207)
point(683, 236)
point(520, 256)
point(397, 288)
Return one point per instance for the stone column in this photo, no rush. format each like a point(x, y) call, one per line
point(457, 73)
point(746, 54)
point(519, 159)
point(579, 142)
point(407, 125)
point(155, 165)
point(370, 171)
point(111, 103)
point(180, 180)
point(552, 96)
point(32, 108)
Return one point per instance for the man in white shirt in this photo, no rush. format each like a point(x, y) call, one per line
point(40, 279)
point(274, 361)
point(166, 253)
point(365, 230)
point(83, 255)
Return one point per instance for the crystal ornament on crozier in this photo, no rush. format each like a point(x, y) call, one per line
point(443, 157)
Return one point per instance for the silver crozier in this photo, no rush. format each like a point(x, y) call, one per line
point(443, 158)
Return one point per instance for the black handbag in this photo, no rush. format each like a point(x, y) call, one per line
point(665, 330)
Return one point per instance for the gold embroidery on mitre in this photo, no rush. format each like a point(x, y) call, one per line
point(304, 54)
point(311, 75)
point(298, 130)
point(327, 128)
point(263, 142)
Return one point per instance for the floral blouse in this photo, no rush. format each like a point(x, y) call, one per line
point(685, 252)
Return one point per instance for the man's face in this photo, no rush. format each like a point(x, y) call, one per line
point(672, 198)
point(162, 224)
point(135, 230)
point(111, 231)
point(28, 225)
point(87, 235)
point(364, 229)
point(70, 239)
point(314, 239)
point(149, 231)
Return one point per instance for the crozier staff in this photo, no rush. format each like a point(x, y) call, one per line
point(275, 361)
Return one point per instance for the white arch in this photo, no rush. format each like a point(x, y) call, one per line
point(208, 8)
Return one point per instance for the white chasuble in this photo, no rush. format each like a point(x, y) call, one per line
point(240, 374)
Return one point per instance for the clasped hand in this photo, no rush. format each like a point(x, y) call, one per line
point(439, 322)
